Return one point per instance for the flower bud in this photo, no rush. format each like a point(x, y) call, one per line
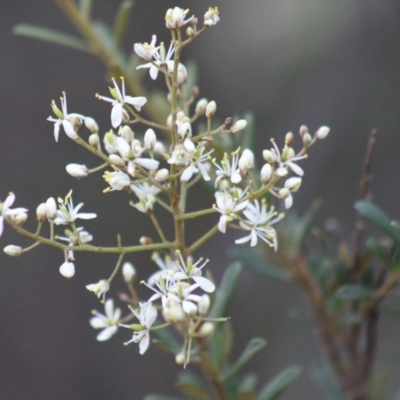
point(246, 161)
point(289, 139)
point(307, 139)
point(77, 170)
point(12, 250)
point(266, 173)
point(190, 31)
point(150, 139)
point(180, 358)
point(322, 132)
point(20, 218)
point(116, 160)
point(269, 156)
point(41, 212)
point(91, 124)
point(161, 175)
point(67, 270)
point(94, 140)
point(239, 125)
point(169, 121)
point(211, 109)
point(303, 130)
point(145, 240)
point(159, 148)
point(206, 329)
point(201, 106)
point(128, 272)
point(204, 304)
point(126, 133)
point(283, 193)
point(51, 207)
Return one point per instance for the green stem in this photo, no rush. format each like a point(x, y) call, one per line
point(157, 227)
point(202, 240)
point(196, 214)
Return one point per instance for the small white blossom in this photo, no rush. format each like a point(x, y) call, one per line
point(239, 125)
point(292, 185)
point(51, 207)
point(147, 196)
point(12, 250)
point(258, 221)
point(286, 159)
point(150, 139)
point(211, 109)
point(67, 121)
point(246, 162)
point(146, 316)
point(196, 163)
point(108, 322)
point(229, 205)
point(67, 213)
point(118, 112)
point(146, 50)
point(128, 272)
point(7, 212)
point(322, 132)
point(211, 17)
point(100, 288)
point(41, 212)
point(175, 18)
point(117, 180)
point(74, 238)
point(228, 170)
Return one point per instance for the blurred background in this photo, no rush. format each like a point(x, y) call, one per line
point(290, 62)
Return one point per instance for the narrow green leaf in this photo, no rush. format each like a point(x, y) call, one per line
point(160, 397)
point(396, 396)
point(354, 293)
point(257, 263)
point(378, 248)
point(191, 385)
point(252, 348)
point(226, 291)
point(192, 76)
point(279, 384)
point(104, 33)
point(377, 217)
point(121, 21)
point(326, 383)
point(51, 36)
point(247, 387)
point(304, 225)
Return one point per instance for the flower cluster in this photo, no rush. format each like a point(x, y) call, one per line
point(158, 163)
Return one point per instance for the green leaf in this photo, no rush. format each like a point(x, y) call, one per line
point(377, 217)
point(104, 34)
point(391, 310)
point(247, 387)
point(226, 291)
point(257, 263)
point(191, 385)
point(51, 36)
point(121, 21)
point(192, 76)
point(160, 397)
point(166, 340)
point(326, 383)
point(354, 293)
point(378, 248)
point(252, 348)
point(279, 384)
point(85, 7)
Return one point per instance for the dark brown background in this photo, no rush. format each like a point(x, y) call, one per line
point(333, 62)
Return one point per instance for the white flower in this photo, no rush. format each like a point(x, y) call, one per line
point(184, 129)
point(161, 58)
point(100, 288)
point(12, 250)
point(108, 322)
point(167, 264)
point(147, 196)
point(175, 18)
point(117, 180)
point(196, 163)
point(149, 139)
point(146, 316)
point(7, 212)
point(190, 270)
point(73, 238)
point(228, 170)
point(291, 185)
point(146, 50)
point(211, 17)
point(118, 112)
point(322, 132)
point(246, 162)
point(286, 160)
point(67, 213)
point(67, 269)
point(51, 208)
point(66, 120)
point(258, 222)
point(229, 205)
